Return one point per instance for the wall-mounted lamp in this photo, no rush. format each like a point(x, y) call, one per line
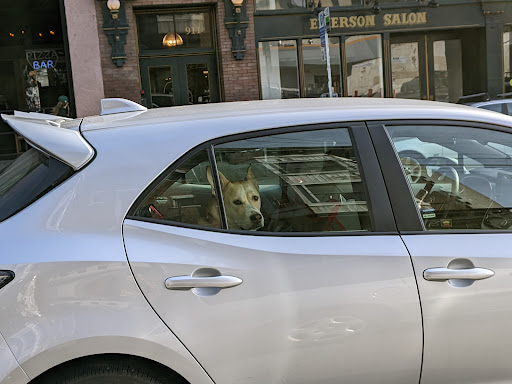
point(433, 3)
point(113, 6)
point(172, 40)
point(238, 5)
point(237, 22)
point(116, 28)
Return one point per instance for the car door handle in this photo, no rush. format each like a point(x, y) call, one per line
point(189, 282)
point(442, 274)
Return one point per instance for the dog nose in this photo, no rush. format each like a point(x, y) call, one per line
point(256, 218)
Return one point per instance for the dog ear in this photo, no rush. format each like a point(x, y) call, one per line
point(223, 181)
point(250, 178)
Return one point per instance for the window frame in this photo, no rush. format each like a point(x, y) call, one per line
point(379, 206)
point(407, 214)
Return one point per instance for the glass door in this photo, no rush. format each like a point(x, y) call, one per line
point(427, 67)
point(183, 80)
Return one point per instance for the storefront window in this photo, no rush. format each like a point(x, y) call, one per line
point(405, 70)
point(33, 60)
point(174, 31)
point(315, 70)
point(265, 5)
point(279, 69)
point(364, 66)
point(507, 58)
point(448, 70)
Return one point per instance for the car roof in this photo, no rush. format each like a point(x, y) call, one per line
point(208, 121)
point(254, 115)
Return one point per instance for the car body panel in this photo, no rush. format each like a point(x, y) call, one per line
point(310, 309)
point(465, 327)
point(70, 301)
point(10, 371)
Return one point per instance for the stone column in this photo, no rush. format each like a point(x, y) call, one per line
point(84, 53)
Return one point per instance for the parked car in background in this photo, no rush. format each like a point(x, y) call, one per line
point(280, 241)
point(502, 106)
point(482, 100)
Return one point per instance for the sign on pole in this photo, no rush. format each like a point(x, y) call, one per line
point(324, 21)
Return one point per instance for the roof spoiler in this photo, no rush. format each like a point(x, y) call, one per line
point(48, 135)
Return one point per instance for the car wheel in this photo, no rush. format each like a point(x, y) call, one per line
point(110, 371)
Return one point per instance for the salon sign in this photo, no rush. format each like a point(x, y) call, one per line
point(369, 21)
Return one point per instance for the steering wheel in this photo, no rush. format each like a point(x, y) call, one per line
point(450, 173)
point(412, 168)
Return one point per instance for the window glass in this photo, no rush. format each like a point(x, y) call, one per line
point(171, 31)
point(364, 66)
point(294, 182)
point(507, 58)
point(264, 5)
point(28, 178)
point(406, 71)
point(184, 195)
point(461, 177)
point(315, 70)
point(493, 107)
point(448, 70)
point(279, 69)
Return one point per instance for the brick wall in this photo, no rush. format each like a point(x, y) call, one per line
point(238, 78)
point(119, 81)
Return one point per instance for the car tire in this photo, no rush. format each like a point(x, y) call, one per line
point(110, 370)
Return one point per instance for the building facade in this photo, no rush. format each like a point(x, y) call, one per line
point(178, 52)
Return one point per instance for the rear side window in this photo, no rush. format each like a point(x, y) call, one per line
point(306, 181)
point(28, 178)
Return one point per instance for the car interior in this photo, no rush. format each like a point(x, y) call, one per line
point(469, 189)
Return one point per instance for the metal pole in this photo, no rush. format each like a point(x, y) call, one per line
point(329, 78)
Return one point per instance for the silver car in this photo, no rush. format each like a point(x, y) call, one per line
point(501, 106)
point(258, 242)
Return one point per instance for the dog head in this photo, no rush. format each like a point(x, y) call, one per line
point(241, 201)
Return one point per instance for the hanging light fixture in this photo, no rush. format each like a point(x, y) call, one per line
point(172, 40)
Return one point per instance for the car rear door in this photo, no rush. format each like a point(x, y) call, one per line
point(323, 293)
point(458, 230)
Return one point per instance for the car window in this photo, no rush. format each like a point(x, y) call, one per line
point(182, 195)
point(461, 177)
point(295, 182)
point(493, 107)
point(509, 108)
point(28, 178)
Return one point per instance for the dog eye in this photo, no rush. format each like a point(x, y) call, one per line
point(255, 198)
point(237, 202)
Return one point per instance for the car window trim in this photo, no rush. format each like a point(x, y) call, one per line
point(385, 224)
point(217, 185)
point(408, 219)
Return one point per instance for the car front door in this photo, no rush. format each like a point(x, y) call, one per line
point(323, 292)
point(458, 230)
